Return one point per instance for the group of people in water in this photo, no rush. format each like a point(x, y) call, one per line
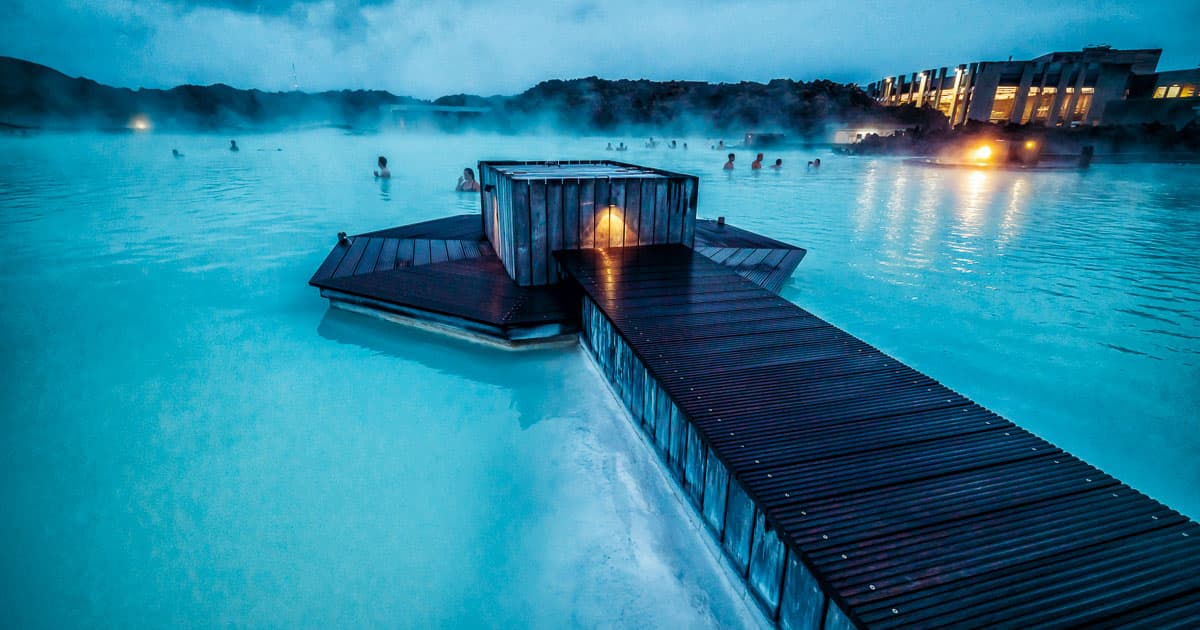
point(757, 164)
point(233, 148)
point(650, 144)
point(466, 182)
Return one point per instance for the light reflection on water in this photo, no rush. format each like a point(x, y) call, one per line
point(160, 294)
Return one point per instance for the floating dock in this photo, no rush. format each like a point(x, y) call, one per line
point(494, 277)
point(443, 274)
point(847, 489)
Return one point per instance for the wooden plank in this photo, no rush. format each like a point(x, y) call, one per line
point(506, 227)
point(678, 207)
point(689, 212)
point(369, 257)
point(350, 261)
point(554, 226)
point(660, 212)
point(539, 250)
point(325, 271)
point(437, 251)
point(421, 255)
point(587, 211)
point(406, 252)
point(616, 205)
point(454, 250)
point(599, 211)
point(387, 255)
point(486, 178)
point(570, 205)
point(646, 219)
point(522, 240)
point(633, 212)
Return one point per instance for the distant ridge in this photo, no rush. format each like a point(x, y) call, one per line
point(35, 95)
point(31, 93)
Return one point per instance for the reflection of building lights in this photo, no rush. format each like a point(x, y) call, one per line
point(983, 153)
point(1030, 144)
point(139, 123)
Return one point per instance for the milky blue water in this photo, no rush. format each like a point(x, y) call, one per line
point(190, 436)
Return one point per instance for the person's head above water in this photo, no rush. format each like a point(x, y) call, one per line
point(779, 162)
point(759, 157)
point(469, 174)
point(382, 162)
point(731, 156)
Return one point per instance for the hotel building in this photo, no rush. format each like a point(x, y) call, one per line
point(1056, 89)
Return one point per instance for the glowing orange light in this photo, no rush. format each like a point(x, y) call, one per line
point(609, 225)
point(1030, 144)
point(983, 153)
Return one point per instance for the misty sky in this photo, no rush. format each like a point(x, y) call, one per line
point(428, 49)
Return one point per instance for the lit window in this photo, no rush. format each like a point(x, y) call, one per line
point(1160, 91)
point(945, 102)
point(1063, 108)
point(1187, 91)
point(1030, 100)
point(1173, 91)
point(1002, 104)
point(1083, 104)
point(1045, 101)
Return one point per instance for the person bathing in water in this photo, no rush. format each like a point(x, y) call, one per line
point(778, 164)
point(729, 165)
point(233, 145)
point(383, 171)
point(757, 163)
point(467, 182)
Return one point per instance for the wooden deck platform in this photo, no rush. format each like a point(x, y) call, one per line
point(897, 500)
point(764, 261)
point(445, 271)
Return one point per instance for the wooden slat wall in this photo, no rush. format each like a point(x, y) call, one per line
point(539, 213)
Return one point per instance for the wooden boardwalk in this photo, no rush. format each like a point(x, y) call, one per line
point(831, 470)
